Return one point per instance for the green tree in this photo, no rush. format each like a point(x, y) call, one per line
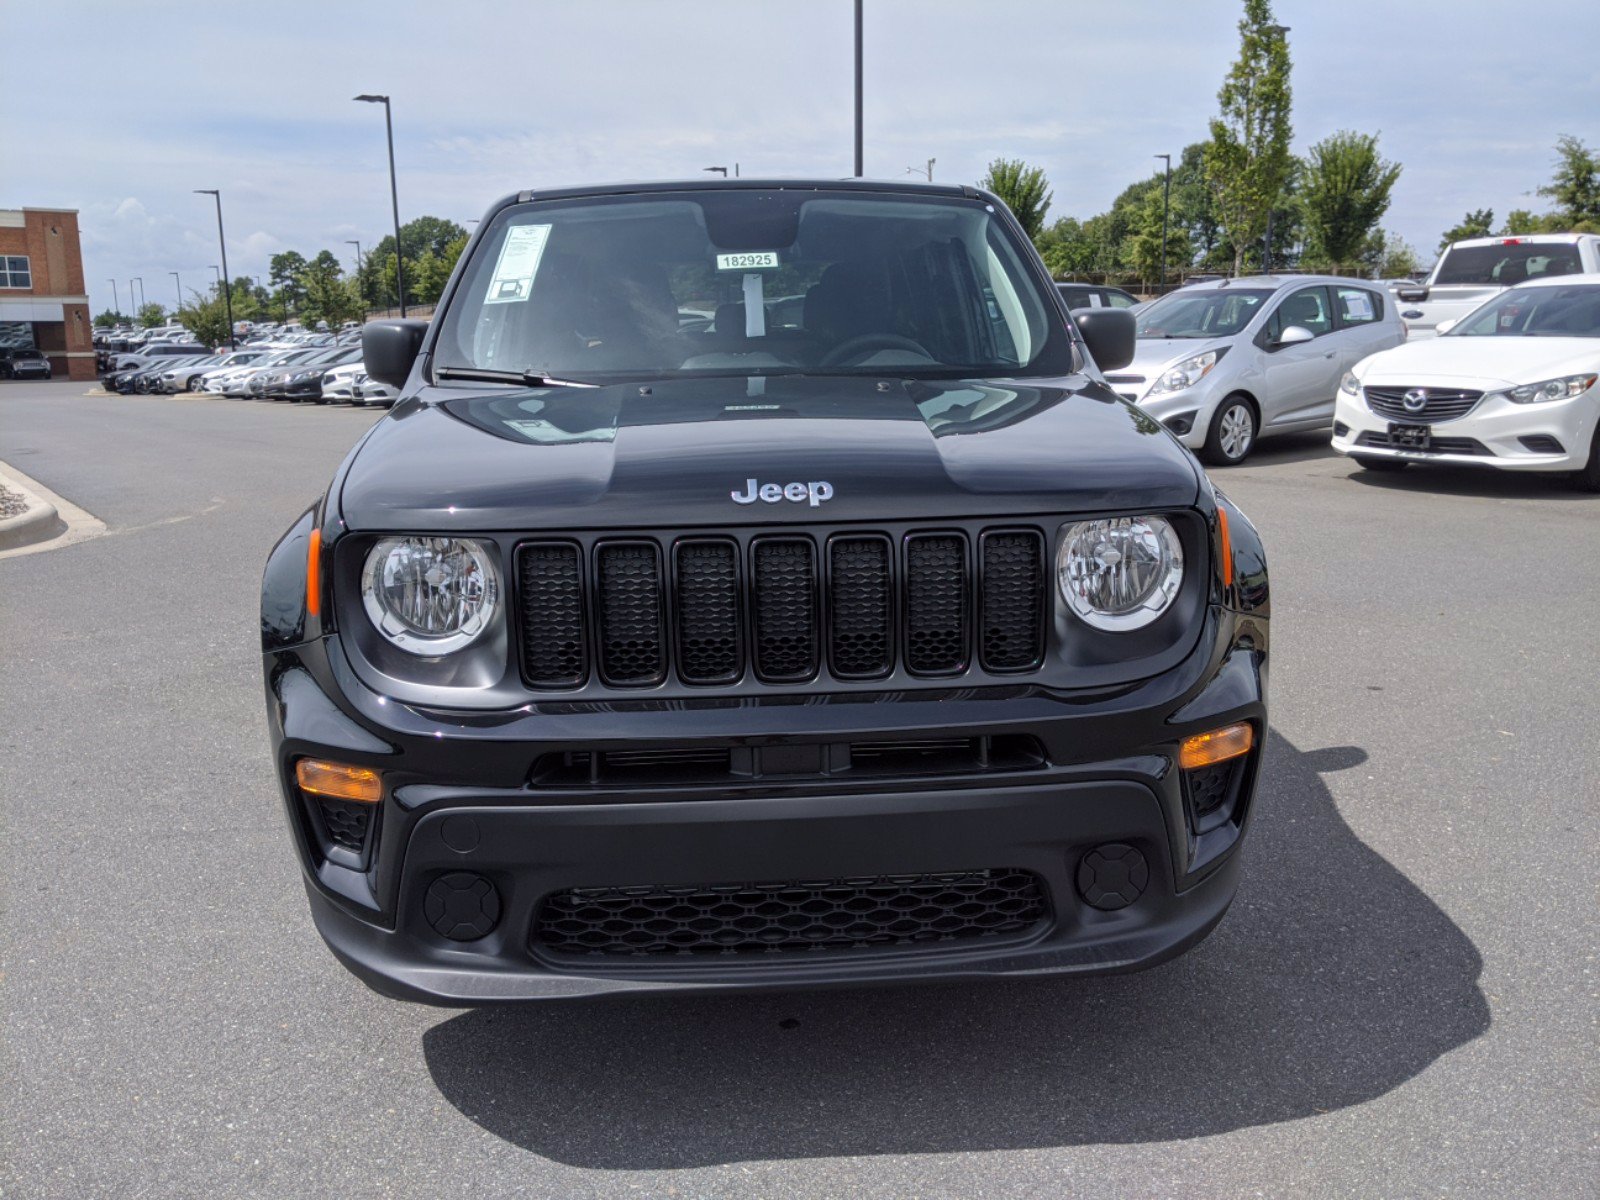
point(1066, 249)
point(1521, 221)
point(1344, 194)
point(284, 271)
point(110, 318)
point(1475, 224)
point(1247, 159)
point(1387, 255)
point(1576, 186)
point(206, 317)
point(1143, 248)
point(418, 237)
point(1023, 189)
point(151, 315)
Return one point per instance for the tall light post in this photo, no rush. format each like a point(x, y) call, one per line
point(139, 279)
point(723, 171)
point(394, 197)
point(361, 284)
point(222, 277)
point(860, 170)
point(178, 286)
point(927, 170)
point(116, 300)
point(1166, 200)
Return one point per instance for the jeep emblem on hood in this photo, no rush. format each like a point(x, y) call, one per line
point(815, 492)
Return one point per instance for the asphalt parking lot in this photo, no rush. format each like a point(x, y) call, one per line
point(1402, 1001)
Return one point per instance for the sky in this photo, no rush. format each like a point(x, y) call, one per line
point(122, 110)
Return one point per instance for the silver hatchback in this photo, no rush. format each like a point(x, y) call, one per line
point(1224, 364)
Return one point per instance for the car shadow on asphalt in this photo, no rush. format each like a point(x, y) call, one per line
point(1333, 980)
point(1485, 482)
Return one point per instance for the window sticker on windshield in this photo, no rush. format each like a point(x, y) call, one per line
point(754, 260)
point(518, 264)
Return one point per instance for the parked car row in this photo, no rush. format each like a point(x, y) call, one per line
point(1511, 384)
point(320, 374)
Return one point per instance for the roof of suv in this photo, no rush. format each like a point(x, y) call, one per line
point(624, 188)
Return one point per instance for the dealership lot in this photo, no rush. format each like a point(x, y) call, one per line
point(1402, 1001)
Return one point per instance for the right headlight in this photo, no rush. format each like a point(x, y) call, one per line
point(431, 596)
point(1121, 573)
point(1550, 389)
point(1187, 373)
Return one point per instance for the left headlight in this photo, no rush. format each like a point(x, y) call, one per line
point(1122, 573)
point(431, 596)
point(1550, 389)
point(1187, 373)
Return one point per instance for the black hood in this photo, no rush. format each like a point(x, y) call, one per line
point(674, 454)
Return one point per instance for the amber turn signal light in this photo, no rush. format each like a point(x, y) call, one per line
point(1226, 546)
point(314, 574)
point(337, 780)
point(1207, 749)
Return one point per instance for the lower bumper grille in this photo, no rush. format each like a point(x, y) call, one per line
point(1436, 445)
point(720, 920)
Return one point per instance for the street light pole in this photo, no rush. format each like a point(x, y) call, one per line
point(116, 301)
point(394, 197)
point(222, 277)
point(860, 171)
point(1166, 200)
point(723, 171)
point(140, 280)
point(178, 284)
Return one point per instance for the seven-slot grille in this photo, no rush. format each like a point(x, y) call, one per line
point(782, 608)
point(1439, 404)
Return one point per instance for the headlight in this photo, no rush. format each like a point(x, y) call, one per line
point(1122, 573)
point(1551, 389)
point(431, 596)
point(1187, 373)
point(1350, 385)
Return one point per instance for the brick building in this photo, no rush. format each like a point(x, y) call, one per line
point(43, 301)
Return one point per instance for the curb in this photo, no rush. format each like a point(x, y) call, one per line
point(49, 521)
point(39, 523)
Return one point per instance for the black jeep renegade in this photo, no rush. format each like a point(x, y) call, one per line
point(758, 586)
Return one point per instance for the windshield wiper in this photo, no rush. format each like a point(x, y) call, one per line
point(525, 378)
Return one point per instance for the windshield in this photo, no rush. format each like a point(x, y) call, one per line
point(1216, 312)
point(751, 282)
point(1570, 311)
point(1507, 263)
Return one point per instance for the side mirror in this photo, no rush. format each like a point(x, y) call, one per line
point(1411, 295)
point(1295, 335)
point(388, 348)
point(1109, 333)
point(1447, 326)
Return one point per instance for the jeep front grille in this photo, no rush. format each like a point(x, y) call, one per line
point(779, 607)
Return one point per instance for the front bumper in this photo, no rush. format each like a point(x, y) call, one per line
point(1490, 435)
point(461, 796)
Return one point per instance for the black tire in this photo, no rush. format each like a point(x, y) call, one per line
point(1588, 479)
point(193, 385)
point(1232, 434)
point(1367, 463)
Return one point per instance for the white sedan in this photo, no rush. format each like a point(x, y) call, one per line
point(1511, 385)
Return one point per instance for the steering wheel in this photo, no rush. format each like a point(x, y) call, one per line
point(853, 347)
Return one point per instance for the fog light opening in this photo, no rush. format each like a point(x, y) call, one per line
point(1216, 746)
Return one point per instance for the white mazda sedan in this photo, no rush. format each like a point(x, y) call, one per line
point(1511, 385)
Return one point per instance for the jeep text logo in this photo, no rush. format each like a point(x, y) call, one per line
point(816, 492)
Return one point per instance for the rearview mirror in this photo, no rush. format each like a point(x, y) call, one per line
point(1296, 335)
point(1411, 295)
point(388, 348)
point(1446, 326)
point(1109, 333)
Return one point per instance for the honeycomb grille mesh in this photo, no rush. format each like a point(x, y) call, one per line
point(346, 822)
point(785, 609)
point(631, 649)
point(1013, 600)
point(732, 919)
point(552, 614)
point(708, 611)
point(936, 603)
point(860, 607)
